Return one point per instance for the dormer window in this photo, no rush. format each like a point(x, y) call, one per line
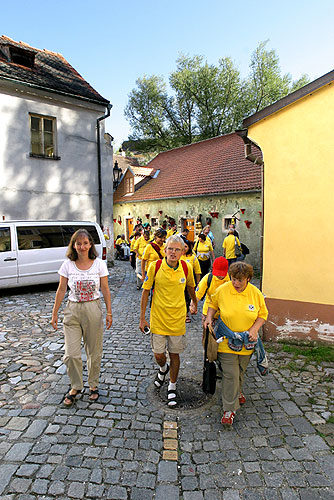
point(129, 185)
point(22, 57)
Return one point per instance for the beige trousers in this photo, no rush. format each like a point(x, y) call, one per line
point(234, 367)
point(83, 320)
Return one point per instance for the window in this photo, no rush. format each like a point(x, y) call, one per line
point(32, 237)
point(154, 222)
point(129, 185)
point(22, 57)
point(69, 230)
point(43, 137)
point(5, 245)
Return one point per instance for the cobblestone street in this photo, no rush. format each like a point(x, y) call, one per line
point(280, 447)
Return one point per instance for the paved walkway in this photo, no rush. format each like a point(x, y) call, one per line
point(113, 449)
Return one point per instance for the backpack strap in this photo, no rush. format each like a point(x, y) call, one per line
point(185, 268)
point(157, 266)
point(196, 247)
point(208, 283)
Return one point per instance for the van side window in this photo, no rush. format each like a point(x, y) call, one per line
point(5, 245)
point(69, 230)
point(32, 237)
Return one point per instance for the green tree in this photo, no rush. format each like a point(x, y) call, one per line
point(265, 84)
point(205, 100)
point(146, 113)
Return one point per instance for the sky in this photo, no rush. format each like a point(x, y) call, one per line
point(111, 43)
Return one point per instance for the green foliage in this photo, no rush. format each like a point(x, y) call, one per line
point(317, 354)
point(206, 100)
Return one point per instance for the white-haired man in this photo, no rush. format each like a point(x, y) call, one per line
point(169, 277)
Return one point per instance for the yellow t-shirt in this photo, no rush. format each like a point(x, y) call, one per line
point(229, 244)
point(203, 249)
point(120, 241)
point(150, 255)
point(140, 246)
point(168, 311)
point(193, 260)
point(202, 287)
point(238, 311)
point(170, 232)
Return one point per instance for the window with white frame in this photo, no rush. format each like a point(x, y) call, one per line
point(43, 136)
point(129, 185)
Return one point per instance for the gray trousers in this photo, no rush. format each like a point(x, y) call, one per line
point(83, 320)
point(234, 367)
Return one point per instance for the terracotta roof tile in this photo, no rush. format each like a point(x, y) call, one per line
point(51, 72)
point(213, 166)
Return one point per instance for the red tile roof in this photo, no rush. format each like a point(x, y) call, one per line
point(213, 166)
point(50, 71)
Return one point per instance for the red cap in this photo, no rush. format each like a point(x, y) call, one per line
point(220, 266)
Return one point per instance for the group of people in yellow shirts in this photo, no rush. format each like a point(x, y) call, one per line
point(170, 266)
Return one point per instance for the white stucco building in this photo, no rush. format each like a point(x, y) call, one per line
point(51, 165)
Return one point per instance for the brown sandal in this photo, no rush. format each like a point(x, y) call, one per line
point(93, 392)
point(71, 398)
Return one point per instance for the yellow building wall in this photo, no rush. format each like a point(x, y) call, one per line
point(298, 149)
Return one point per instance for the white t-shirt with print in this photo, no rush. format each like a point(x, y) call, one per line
point(84, 285)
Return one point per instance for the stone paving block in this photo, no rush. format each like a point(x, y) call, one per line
point(76, 490)
point(6, 472)
point(141, 494)
point(167, 471)
point(315, 443)
point(193, 495)
point(20, 485)
point(167, 492)
point(231, 495)
point(189, 483)
point(289, 494)
point(18, 452)
point(18, 423)
point(40, 486)
point(95, 491)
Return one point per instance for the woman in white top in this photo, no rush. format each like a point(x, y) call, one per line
point(84, 274)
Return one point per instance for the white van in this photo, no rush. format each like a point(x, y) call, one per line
point(31, 252)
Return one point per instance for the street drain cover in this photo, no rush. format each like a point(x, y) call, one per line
point(190, 394)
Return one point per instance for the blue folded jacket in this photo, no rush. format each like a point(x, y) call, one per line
point(236, 340)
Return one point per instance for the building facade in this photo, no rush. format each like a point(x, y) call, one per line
point(206, 181)
point(295, 136)
point(51, 166)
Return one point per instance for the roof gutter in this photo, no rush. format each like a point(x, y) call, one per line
point(99, 169)
point(53, 91)
point(257, 160)
point(224, 193)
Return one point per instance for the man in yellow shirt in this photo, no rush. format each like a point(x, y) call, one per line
point(229, 246)
point(168, 311)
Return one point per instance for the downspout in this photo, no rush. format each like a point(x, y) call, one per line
point(99, 169)
point(257, 160)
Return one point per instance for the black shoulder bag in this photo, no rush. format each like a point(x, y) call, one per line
point(209, 369)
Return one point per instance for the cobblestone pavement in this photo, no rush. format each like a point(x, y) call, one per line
point(279, 447)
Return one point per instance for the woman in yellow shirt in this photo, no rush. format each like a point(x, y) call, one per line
point(153, 251)
point(203, 249)
point(219, 276)
point(242, 309)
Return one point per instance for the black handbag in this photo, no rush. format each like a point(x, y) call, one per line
point(209, 370)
